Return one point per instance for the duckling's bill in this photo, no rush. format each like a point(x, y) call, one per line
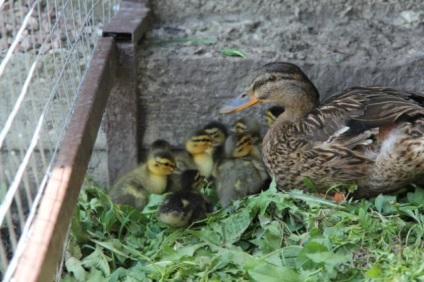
point(239, 103)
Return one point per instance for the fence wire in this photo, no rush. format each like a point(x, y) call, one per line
point(45, 50)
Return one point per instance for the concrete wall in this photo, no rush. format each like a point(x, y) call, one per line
point(338, 44)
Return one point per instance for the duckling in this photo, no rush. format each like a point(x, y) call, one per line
point(182, 208)
point(217, 130)
point(151, 177)
point(241, 173)
point(372, 137)
point(249, 125)
point(253, 128)
point(219, 133)
point(160, 144)
point(197, 154)
point(272, 114)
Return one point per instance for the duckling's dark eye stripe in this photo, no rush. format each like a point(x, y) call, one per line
point(165, 163)
point(243, 141)
point(240, 126)
point(199, 140)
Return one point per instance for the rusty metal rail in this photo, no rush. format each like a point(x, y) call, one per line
point(110, 84)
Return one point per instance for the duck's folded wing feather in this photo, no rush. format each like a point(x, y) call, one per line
point(353, 117)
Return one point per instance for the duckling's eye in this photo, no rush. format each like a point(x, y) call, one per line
point(272, 78)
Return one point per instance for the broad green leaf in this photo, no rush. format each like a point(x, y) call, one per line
point(95, 275)
point(384, 204)
point(97, 259)
point(234, 226)
point(263, 271)
point(416, 197)
point(207, 236)
point(311, 247)
point(328, 259)
point(74, 266)
point(375, 272)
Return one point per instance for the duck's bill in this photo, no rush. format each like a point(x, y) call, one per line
point(239, 103)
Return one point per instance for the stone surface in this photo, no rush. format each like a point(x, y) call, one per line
point(338, 44)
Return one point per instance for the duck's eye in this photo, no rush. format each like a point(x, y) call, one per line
point(272, 78)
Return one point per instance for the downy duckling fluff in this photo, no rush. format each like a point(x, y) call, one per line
point(151, 177)
point(197, 154)
point(182, 208)
point(219, 133)
point(249, 125)
point(160, 144)
point(369, 136)
point(253, 128)
point(272, 114)
point(241, 173)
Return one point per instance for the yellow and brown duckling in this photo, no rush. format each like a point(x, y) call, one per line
point(189, 205)
point(369, 136)
point(134, 187)
point(219, 133)
point(249, 125)
point(241, 173)
point(160, 144)
point(272, 114)
point(217, 130)
point(197, 154)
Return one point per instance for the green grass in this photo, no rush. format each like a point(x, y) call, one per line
point(272, 236)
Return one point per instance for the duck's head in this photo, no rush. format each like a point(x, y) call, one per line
point(238, 145)
point(281, 83)
point(217, 131)
point(248, 125)
point(191, 180)
point(160, 144)
point(272, 114)
point(198, 141)
point(161, 162)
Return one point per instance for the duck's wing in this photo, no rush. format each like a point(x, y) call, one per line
point(357, 115)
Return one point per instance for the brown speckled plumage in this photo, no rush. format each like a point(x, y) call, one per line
point(369, 136)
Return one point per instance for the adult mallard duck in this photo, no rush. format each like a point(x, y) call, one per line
point(272, 114)
point(240, 173)
point(369, 136)
point(184, 207)
point(134, 187)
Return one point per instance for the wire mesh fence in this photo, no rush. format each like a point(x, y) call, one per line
point(45, 49)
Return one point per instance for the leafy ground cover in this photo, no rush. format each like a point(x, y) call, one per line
point(272, 236)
